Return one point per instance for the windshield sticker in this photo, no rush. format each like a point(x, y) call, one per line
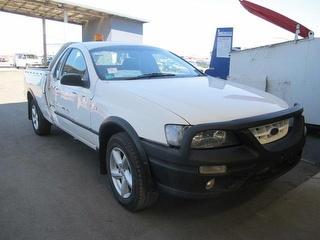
point(112, 70)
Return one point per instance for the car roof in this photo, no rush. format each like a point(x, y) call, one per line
point(93, 45)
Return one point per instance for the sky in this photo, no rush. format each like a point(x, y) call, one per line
point(186, 27)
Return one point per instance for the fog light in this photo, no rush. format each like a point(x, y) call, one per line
point(210, 184)
point(212, 169)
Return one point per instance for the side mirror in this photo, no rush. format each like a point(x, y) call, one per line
point(210, 71)
point(72, 80)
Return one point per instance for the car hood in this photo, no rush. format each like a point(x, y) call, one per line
point(204, 99)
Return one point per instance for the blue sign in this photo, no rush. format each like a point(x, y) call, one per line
point(220, 58)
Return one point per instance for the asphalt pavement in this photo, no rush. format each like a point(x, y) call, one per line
point(50, 188)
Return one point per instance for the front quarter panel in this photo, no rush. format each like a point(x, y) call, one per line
point(147, 118)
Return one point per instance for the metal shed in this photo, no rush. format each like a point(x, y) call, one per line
point(112, 26)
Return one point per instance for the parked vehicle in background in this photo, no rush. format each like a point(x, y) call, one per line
point(22, 60)
point(160, 124)
point(48, 60)
point(3, 59)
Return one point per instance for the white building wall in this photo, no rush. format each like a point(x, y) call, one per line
point(288, 70)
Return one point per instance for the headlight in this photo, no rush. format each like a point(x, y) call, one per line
point(174, 134)
point(213, 139)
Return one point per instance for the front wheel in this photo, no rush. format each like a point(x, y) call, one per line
point(41, 126)
point(126, 174)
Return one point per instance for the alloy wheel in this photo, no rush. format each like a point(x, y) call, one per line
point(121, 173)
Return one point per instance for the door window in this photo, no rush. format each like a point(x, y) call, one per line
point(76, 64)
point(57, 70)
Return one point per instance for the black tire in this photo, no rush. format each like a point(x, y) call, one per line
point(41, 126)
point(142, 195)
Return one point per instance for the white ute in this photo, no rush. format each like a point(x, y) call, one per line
point(160, 124)
point(22, 60)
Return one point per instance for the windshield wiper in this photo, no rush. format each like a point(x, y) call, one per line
point(153, 75)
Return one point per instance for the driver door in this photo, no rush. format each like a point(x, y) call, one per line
point(75, 101)
point(54, 90)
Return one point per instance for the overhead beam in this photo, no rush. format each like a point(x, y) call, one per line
point(46, 8)
point(47, 17)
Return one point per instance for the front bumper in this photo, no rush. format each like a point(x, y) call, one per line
point(177, 170)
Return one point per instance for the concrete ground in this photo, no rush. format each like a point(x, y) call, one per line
point(50, 188)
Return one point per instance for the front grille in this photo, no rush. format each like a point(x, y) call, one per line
point(271, 132)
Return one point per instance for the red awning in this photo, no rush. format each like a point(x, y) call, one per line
point(275, 18)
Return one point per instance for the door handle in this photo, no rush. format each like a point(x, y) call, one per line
point(75, 93)
point(65, 109)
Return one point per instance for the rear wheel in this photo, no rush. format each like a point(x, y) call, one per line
point(126, 174)
point(41, 126)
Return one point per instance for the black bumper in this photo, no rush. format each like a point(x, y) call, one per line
point(177, 170)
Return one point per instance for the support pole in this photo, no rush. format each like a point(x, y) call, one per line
point(296, 36)
point(65, 20)
point(65, 16)
point(44, 37)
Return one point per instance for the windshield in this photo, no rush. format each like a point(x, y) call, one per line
point(137, 62)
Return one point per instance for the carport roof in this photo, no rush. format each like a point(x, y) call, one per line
point(54, 10)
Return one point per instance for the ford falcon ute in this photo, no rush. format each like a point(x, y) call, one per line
point(161, 125)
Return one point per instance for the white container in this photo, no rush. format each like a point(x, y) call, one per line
point(289, 70)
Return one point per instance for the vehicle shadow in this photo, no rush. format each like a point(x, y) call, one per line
point(311, 150)
point(206, 206)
